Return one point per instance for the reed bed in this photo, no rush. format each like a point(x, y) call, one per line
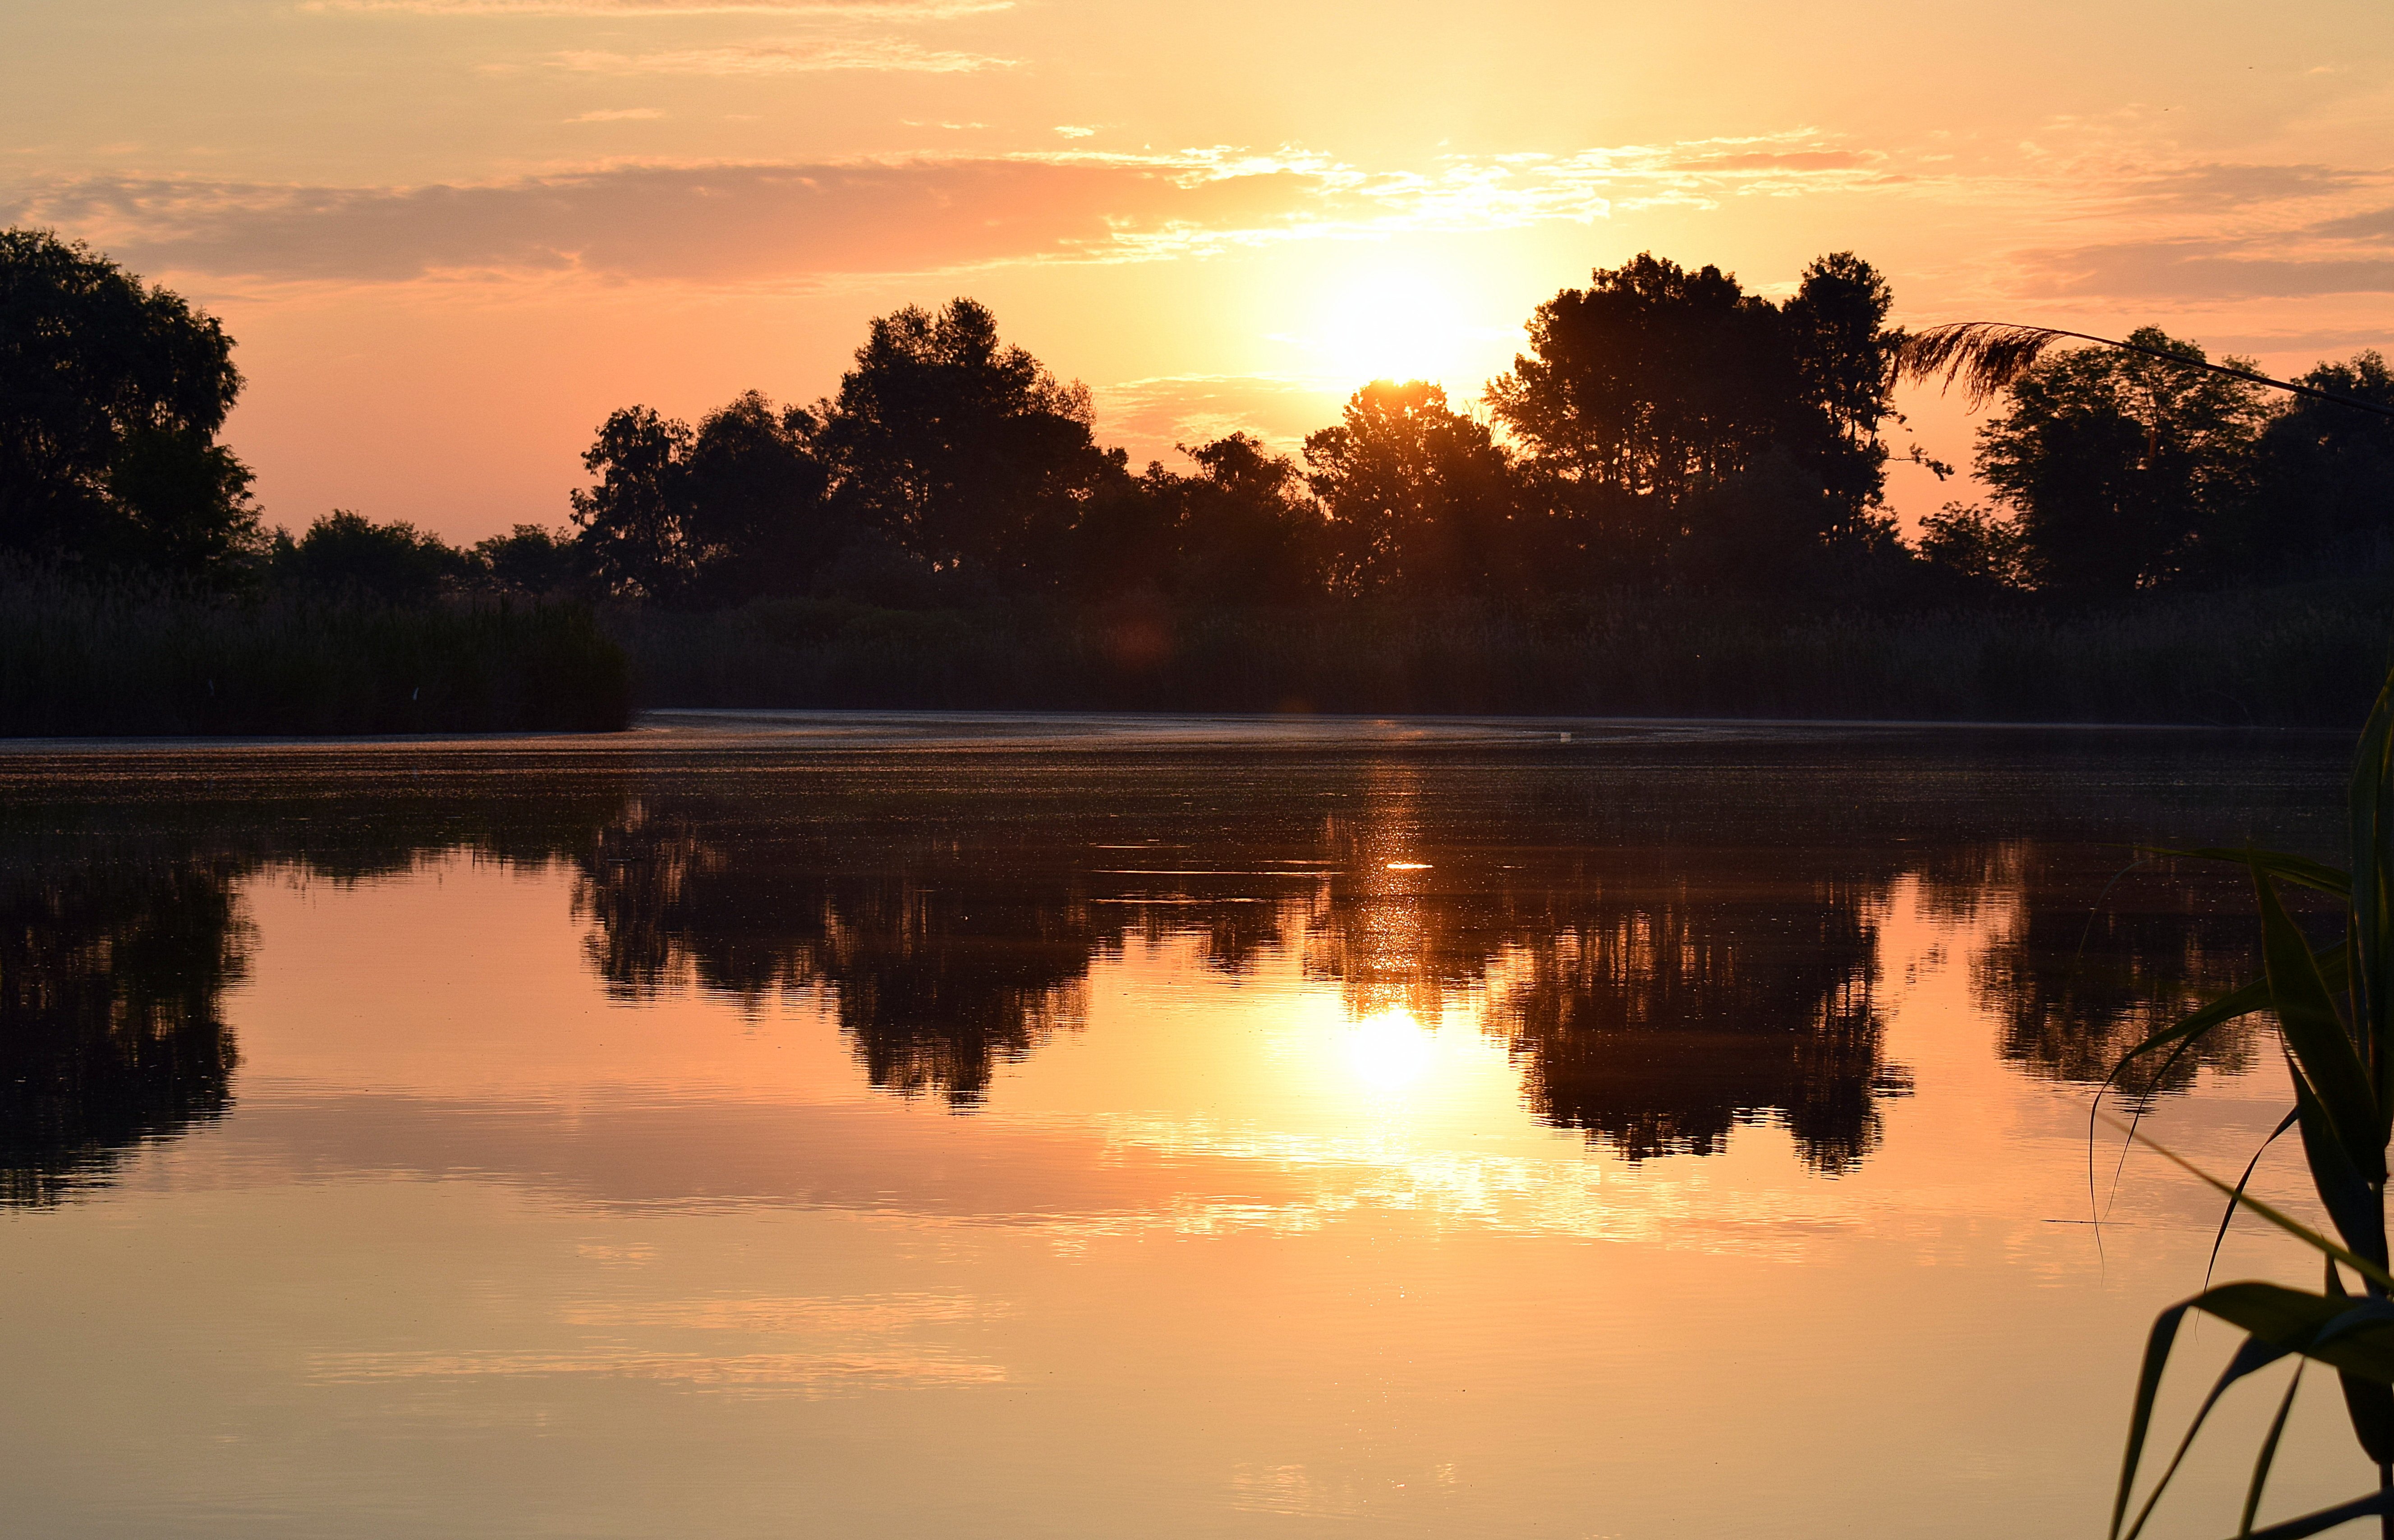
point(2299, 657)
point(132, 659)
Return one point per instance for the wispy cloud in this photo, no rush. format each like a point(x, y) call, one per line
point(2211, 231)
point(2142, 230)
point(785, 223)
point(616, 115)
point(891, 54)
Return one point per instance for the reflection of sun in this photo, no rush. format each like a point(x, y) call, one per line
point(1388, 1050)
point(1391, 324)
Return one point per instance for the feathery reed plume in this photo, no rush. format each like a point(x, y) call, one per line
point(1988, 357)
point(1983, 356)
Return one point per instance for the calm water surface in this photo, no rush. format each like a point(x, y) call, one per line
point(879, 1125)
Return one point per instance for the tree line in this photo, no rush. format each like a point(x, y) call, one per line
point(1666, 429)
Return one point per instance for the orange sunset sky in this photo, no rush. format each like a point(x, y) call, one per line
point(449, 235)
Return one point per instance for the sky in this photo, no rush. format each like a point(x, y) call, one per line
point(450, 236)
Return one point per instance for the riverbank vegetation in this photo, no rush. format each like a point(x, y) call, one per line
point(1673, 504)
point(130, 657)
point(2293, 656)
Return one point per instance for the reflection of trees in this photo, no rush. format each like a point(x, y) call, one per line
point(1660, 956)
point(121, 929)
point(1653, 999)
point(1657, 1020)
point(943, 961)
point(2094, 960)
point(111, 967)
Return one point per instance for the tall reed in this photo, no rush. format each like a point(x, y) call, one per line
point(128, 658)
point(2285, 657)
point(2334, 1009)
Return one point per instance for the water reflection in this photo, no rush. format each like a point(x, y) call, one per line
point(1653, 999)
point(1662, 961)
point(122, 928)
point(941, 964)
point(2097, 955)
point(1659, 1024)
point(113, 963)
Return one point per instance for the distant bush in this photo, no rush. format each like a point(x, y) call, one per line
point(128, 657)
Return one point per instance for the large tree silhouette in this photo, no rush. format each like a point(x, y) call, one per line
point(112, 395)
point(1420, 497)
point(2115, 464)
point(964, 449)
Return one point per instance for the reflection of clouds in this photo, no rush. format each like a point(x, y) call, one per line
point(871, 1314)
point(812, 1373)
point(882, 54)
point(847, 1347)
point(892, 11)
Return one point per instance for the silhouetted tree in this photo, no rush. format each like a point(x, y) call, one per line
point(1656, 382)
point(636, 523)
point(2323, 484)
point(530, 559)
point(344, 554)
point(1420, 498)
point(2117, 465)
point(757, 501)
point(965, 451)
point(1975, 547)
point(1770, 529)
point(1845, 355)
point(1246, 529)
point(112, 395)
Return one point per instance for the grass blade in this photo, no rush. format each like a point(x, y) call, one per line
point(2242, 1182)
point(2316, 1036)
point(2327, 1518)
point(2252, 1356)
point(2140, 1421)
point(2269, 1454)
point(2376, 1272)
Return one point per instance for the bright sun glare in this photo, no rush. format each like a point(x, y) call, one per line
point(1392, 324)
point(1388, 1050)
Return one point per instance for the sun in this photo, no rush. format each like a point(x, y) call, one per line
point(1389, 1051)
point(1392, 322)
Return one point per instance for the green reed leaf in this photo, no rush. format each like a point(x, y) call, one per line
point(2327, 1518)
point(2370, 912)
point(2373, 1272)
point(2316, 1037)
point(2269, 1454)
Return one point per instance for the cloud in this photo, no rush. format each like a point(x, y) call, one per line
point(2347, 253)
point(2195, 269)
point(2376, 223)
point(714, 224)
point(2228, 185)
point(799, 222)
point(781, 58)
point(616, 115)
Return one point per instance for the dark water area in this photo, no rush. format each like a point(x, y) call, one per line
point(940, 1124)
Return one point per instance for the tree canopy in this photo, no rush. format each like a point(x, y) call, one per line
point(2120, 469)
point(1665, 429)
point(112, 395)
